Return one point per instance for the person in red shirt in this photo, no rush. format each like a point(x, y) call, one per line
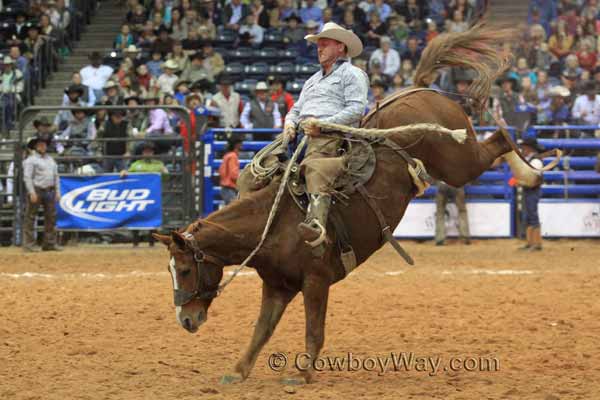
point(284, 100)
point(229, 171)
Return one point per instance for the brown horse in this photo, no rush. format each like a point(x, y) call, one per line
point(285, 263)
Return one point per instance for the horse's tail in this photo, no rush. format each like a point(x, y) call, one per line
point(478, 48)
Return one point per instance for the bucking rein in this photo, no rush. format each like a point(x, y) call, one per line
point(417, 171)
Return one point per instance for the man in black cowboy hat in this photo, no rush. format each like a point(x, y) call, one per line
point(88, 97)
point(229, 103)
point(195, 70)
point(81, 130)
point(73, 93)
point(96, 74)
point(43, 128)
point(531, 196)
point(509, 100)
point(40, 175)
point(115, 127)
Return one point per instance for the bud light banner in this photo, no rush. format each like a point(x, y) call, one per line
point(104, 202)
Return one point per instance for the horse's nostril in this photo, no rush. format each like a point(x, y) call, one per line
point(187, 323)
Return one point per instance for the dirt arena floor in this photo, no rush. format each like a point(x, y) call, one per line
point(98, 323)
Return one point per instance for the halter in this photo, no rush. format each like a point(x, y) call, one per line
point(182, 297)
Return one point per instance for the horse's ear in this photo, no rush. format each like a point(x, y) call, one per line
point(164, 239)
point(178, 240)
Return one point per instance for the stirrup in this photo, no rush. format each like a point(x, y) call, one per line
point(321, 237)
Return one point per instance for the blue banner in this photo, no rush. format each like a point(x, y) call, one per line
point(104, 202)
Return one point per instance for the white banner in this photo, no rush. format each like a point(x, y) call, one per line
point(574, 218)
point(486, 219)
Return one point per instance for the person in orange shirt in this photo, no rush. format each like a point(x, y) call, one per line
point(230, 170)
point(284, 100)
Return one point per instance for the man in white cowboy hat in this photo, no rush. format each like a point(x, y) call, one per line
point(261, 113)
point(168, 78)
point(134, 54)
point(111, 93)
point(336, 94)
point(11, 87)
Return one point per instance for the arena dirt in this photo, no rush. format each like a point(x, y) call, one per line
point(98, 323)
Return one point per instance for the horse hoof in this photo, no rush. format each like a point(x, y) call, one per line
point(229, 379)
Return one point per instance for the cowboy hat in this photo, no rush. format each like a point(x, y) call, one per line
point(225, 80)
point(311, 24)
point(261, 86)
point(171, 64)
point(559, 91)
point(32, 142)
point(180, 82)
point(43, 121)
point(75, 88)
point(95, 55)
point(378, 83)
point(331, 30)
point(81, 109)
point(132, 97)
point(8, 60)
point(110, 84)
point(132, 48)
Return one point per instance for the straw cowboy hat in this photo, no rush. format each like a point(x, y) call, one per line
point(8, 60)
point(171, 64)
point(110, 84)
point(261, 86)
point(559, 91)
point(331, 30)
point(132, 48)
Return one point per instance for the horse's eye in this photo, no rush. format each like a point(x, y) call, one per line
point(185, 273)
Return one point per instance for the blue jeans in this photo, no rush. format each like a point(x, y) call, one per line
point(228, 194)
point(532, 198)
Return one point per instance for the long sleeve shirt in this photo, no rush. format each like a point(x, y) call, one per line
point(339, 97)
point(246, 121)
point(159, 122)
point(587, 110)
point(390, 61)
point(229, 170)
point(40, 171)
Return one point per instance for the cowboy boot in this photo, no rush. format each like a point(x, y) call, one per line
point(529, 239)
point(313, 229)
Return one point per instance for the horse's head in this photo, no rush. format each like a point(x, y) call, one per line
point(196, 277)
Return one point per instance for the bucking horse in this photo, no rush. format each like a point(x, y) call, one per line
point(286, 265)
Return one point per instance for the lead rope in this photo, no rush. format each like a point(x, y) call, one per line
point(276, 202)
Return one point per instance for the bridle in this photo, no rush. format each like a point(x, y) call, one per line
point(182, 297)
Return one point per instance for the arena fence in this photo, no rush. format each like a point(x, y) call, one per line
point(178, 190)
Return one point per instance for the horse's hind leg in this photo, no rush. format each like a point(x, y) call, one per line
point(274, 302)
point(316, 292)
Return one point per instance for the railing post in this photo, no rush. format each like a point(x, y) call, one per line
point(207, 161)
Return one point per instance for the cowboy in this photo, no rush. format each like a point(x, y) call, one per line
point(115, 127)
point(531, 195)
point(336, 94)
point(43, 128)
point(40, 174)
point(284, 100)
point(111, 93)
point(80, 132)
point(11, 87)
point(229, 103)
point(73, 94)
point(96, 74)
point(88, 95)
point(196, 70)
point(168, 77)
point(181, 88)
point(261, 113)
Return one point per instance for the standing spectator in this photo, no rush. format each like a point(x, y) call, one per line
point(168, 78)
point(33, 43)
point(12, 87)
point(311, 12)
point(40, 174)
point(114, 128)
point(20, 61)
point(17, 32)
point(229, 171)
point(531, 196)
point(445, 192)
point(192, 102)
point(234, 14)
point(586, 109)
point(196, 70)
point(251, 34)
point(124, 38)
point(261, 112)
point(229, 103)
point(96, 74)
point(147, 164)
point(388, 58)
point(283, 99)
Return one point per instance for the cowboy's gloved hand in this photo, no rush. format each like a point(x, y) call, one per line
point(310, 127)
point(289, 131)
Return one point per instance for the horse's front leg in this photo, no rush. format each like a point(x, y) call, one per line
point(316, 292)
point(274, 302)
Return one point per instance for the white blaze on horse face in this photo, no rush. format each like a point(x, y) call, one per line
point(175, 287)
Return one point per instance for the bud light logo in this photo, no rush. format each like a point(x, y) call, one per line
point(109, 202)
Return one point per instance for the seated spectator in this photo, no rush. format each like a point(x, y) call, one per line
point(213, 61)
point(74, 94)
point(522, 70)
point(11, 90)
point(88, 95)
point(308, 50)
point(207, 30)
point(378, 89)
point(543, 58)
point(234, 14)
point(311, 12)
point(586, 109)
point(509, 100)
point(80, 132)
point(133, 55)
point(111, 94)
point(43, 130)
point(375, 29)
point(96, 74)
point(261, 112)
point(163, 44)
point(293, 33)
point(145, 80)
point(407, 71)
point(587, 55)
point(193, 42)
point(561, 42)
point(251, 34)
point(283, 99)
point(464, 6)
point(114, 128)
point(398, 83)
point(181, 89)
point(196, 71)
point(20, 62)
point(432, 31)
point(136, 121)
point(137, 18)
point(412, 53)
point(178, 55)
point(388, 58)
point(596, 76)
point(438, 11)
point(558, 112)
point(413, 12)
point(155, 64)
point(228, 102)
point(572, 66)
point(382, 8)
point(398, 31)
point(168, 78)
point(124, 38)
point(158, 120)
point(178, 28)
point(376, 72)
point(17, 32)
